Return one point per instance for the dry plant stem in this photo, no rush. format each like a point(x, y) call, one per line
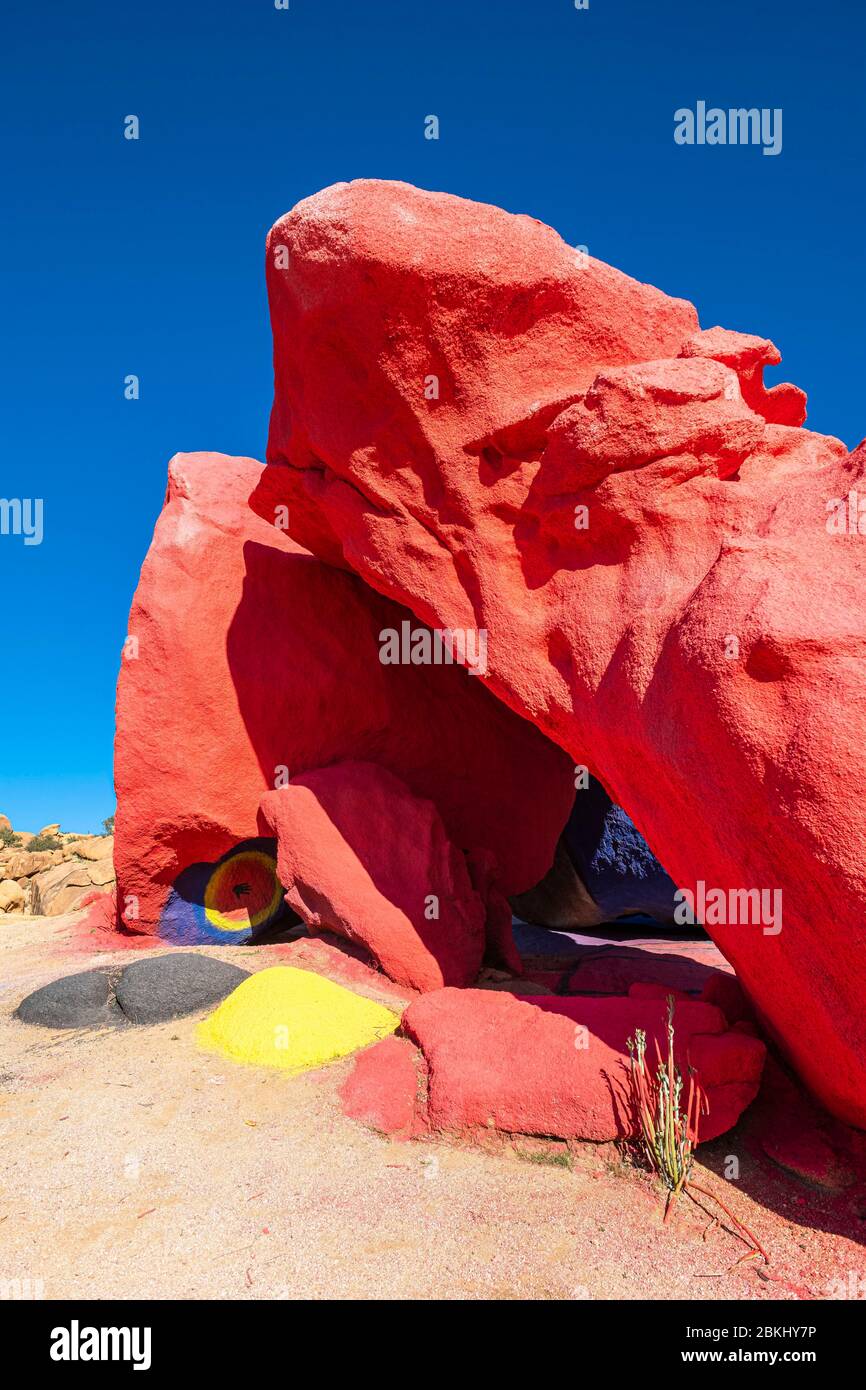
point(670, 1136)
point(742, 1231)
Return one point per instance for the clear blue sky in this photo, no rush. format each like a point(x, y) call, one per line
point(122, 257)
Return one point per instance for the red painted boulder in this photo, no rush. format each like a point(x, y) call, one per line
point(551, 1066)
point(669, 573)
point(250, 661)
point(384, 1088)
point(359, 855)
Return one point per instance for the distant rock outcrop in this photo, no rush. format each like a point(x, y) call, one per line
point(49, 882)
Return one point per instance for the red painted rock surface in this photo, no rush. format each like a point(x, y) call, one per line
point(250, 658)
point(383, 1088)
point(559, 1066)
point(808, 1156)
point(538, 447)
point(647, 989)
point(99, 929)
point(784, 404)
point(726, 992)
point(359, 855)
point(801, 1137)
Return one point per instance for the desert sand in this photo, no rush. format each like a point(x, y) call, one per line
point(134, 1165)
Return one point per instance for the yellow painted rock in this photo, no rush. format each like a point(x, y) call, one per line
point(293, 1019)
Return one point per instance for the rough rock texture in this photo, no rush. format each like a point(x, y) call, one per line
point(561, 899)
point(60, 888)
point(152, 991)
point(603, 869)
point(552, 1066)
point(801, 1137)
point(614, 861)
point(94, 847)
point(24, 864)
point(359, 855)
point(101, 872)
point(75, 1001)
point(55, 881)
point(146, 992)
point(748, 356)
point(12, 896)
point(546, 450)
point(258, 662)
point(383, 1088)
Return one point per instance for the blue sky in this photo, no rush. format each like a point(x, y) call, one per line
point(146, 257)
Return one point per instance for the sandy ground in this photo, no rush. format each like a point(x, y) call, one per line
point(132, 1165)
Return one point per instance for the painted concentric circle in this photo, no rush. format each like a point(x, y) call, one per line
point(242, 891)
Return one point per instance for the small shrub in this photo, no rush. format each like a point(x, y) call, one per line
point(108, 825)
point(669, 1135)
point(8, 838)
point(42, 842)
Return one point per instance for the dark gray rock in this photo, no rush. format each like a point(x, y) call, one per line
point(148, 991)
point(75, 1001)
point(619, 869)
point(153, 991)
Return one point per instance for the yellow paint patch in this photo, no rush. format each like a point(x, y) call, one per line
point(293, 1019)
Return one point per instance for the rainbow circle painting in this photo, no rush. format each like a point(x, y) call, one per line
point(229, 901)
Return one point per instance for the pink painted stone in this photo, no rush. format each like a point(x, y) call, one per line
point(359, 855)
point(382, 1089)
point(558, 1066)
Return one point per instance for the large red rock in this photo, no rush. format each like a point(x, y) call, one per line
point(559, 1066)
point(250, 660)
point(359, 855)
point(507, 437)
